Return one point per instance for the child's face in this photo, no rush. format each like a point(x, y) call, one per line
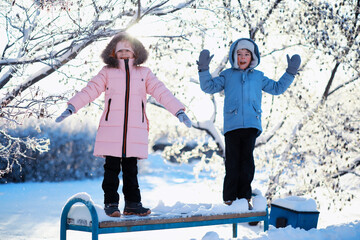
point(243, 58)
point(124, 50)
point(124, 54)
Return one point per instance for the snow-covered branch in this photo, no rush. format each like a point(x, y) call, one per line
point(344, 84)
point(159, 10)
point(210, 128)
point(10, 149)
point(263, 139)
point(351, 169)
point(80, 40)
point(45, 71)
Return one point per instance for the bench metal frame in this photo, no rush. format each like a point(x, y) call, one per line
point(97, 227)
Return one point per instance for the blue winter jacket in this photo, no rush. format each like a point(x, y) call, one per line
point(243, 89)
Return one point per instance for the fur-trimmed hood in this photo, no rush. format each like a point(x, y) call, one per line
point(108, 55)
point(244, 43)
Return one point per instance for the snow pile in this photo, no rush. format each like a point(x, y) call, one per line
point(349, 231)
point(206, 209)
point(211, 236)
point(259, 202)
point(37, 218)
point(83, 195)
point(81, 215)
point(295, 203)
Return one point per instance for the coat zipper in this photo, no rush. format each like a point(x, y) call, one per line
point(108, 111)
point(242, 102)
point(126, 113)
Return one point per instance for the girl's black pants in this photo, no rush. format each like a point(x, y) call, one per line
point(239, 163)
point(110, 184)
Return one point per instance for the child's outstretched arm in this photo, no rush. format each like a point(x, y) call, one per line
point(69, 110)
point(181, 115)
point(204, 60)
point(207, 83)
point(276, 88)
point(88, 94)
point(162, 94)
point(293, 64)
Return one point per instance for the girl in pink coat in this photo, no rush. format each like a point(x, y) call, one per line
point(122, 136)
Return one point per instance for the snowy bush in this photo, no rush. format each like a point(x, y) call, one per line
point(70, 155)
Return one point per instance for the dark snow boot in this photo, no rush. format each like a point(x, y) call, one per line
point(112, 209)
point(134, 208)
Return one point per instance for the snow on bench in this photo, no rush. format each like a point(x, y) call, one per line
point(90, 217)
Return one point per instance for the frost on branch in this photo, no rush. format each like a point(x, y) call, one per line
point(12, 148)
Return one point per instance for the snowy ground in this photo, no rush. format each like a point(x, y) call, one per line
point(32, 210)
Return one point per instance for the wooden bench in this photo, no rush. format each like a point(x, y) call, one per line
point(152, 223)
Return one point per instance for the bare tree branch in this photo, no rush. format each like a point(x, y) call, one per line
point(70, 54)
point(260, 25)
point(327, 89)
point(263, 139)
point(343, 85)
point(66, 54)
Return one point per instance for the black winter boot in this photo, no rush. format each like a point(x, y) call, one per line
point(134, 208)
point(112, 210)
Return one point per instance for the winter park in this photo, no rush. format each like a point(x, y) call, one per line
point(179, 119)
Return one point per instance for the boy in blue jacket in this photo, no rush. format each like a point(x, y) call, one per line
point(243, 86)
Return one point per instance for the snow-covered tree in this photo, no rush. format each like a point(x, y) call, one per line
point(40, 38)
point(323, 144)
point(311, 132)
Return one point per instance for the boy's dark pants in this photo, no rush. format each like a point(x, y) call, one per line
point(110, 183)
point(239, 163)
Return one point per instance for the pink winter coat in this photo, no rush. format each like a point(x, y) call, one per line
point(123, 128)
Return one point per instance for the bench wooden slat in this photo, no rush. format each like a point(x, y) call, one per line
point(177, 219)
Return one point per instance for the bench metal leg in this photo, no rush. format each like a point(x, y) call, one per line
point(94, 218)
point(62, 231)
point(234, 230)
point(266, 224)
point(266, 220)
point(95, 236)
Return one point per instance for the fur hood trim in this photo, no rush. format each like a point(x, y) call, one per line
point(108, 55)
point(244, 43)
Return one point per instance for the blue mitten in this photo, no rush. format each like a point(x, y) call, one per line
point(69, 110)
point(293, 64)
point(181, 115)
point(204, 60)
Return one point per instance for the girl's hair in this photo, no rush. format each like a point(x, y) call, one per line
point(109, 56)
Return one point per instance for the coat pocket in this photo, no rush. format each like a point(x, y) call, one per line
point(231, 108)
point(108, 110)
point(142, 111)
point(143, 115)
point(257, 110)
